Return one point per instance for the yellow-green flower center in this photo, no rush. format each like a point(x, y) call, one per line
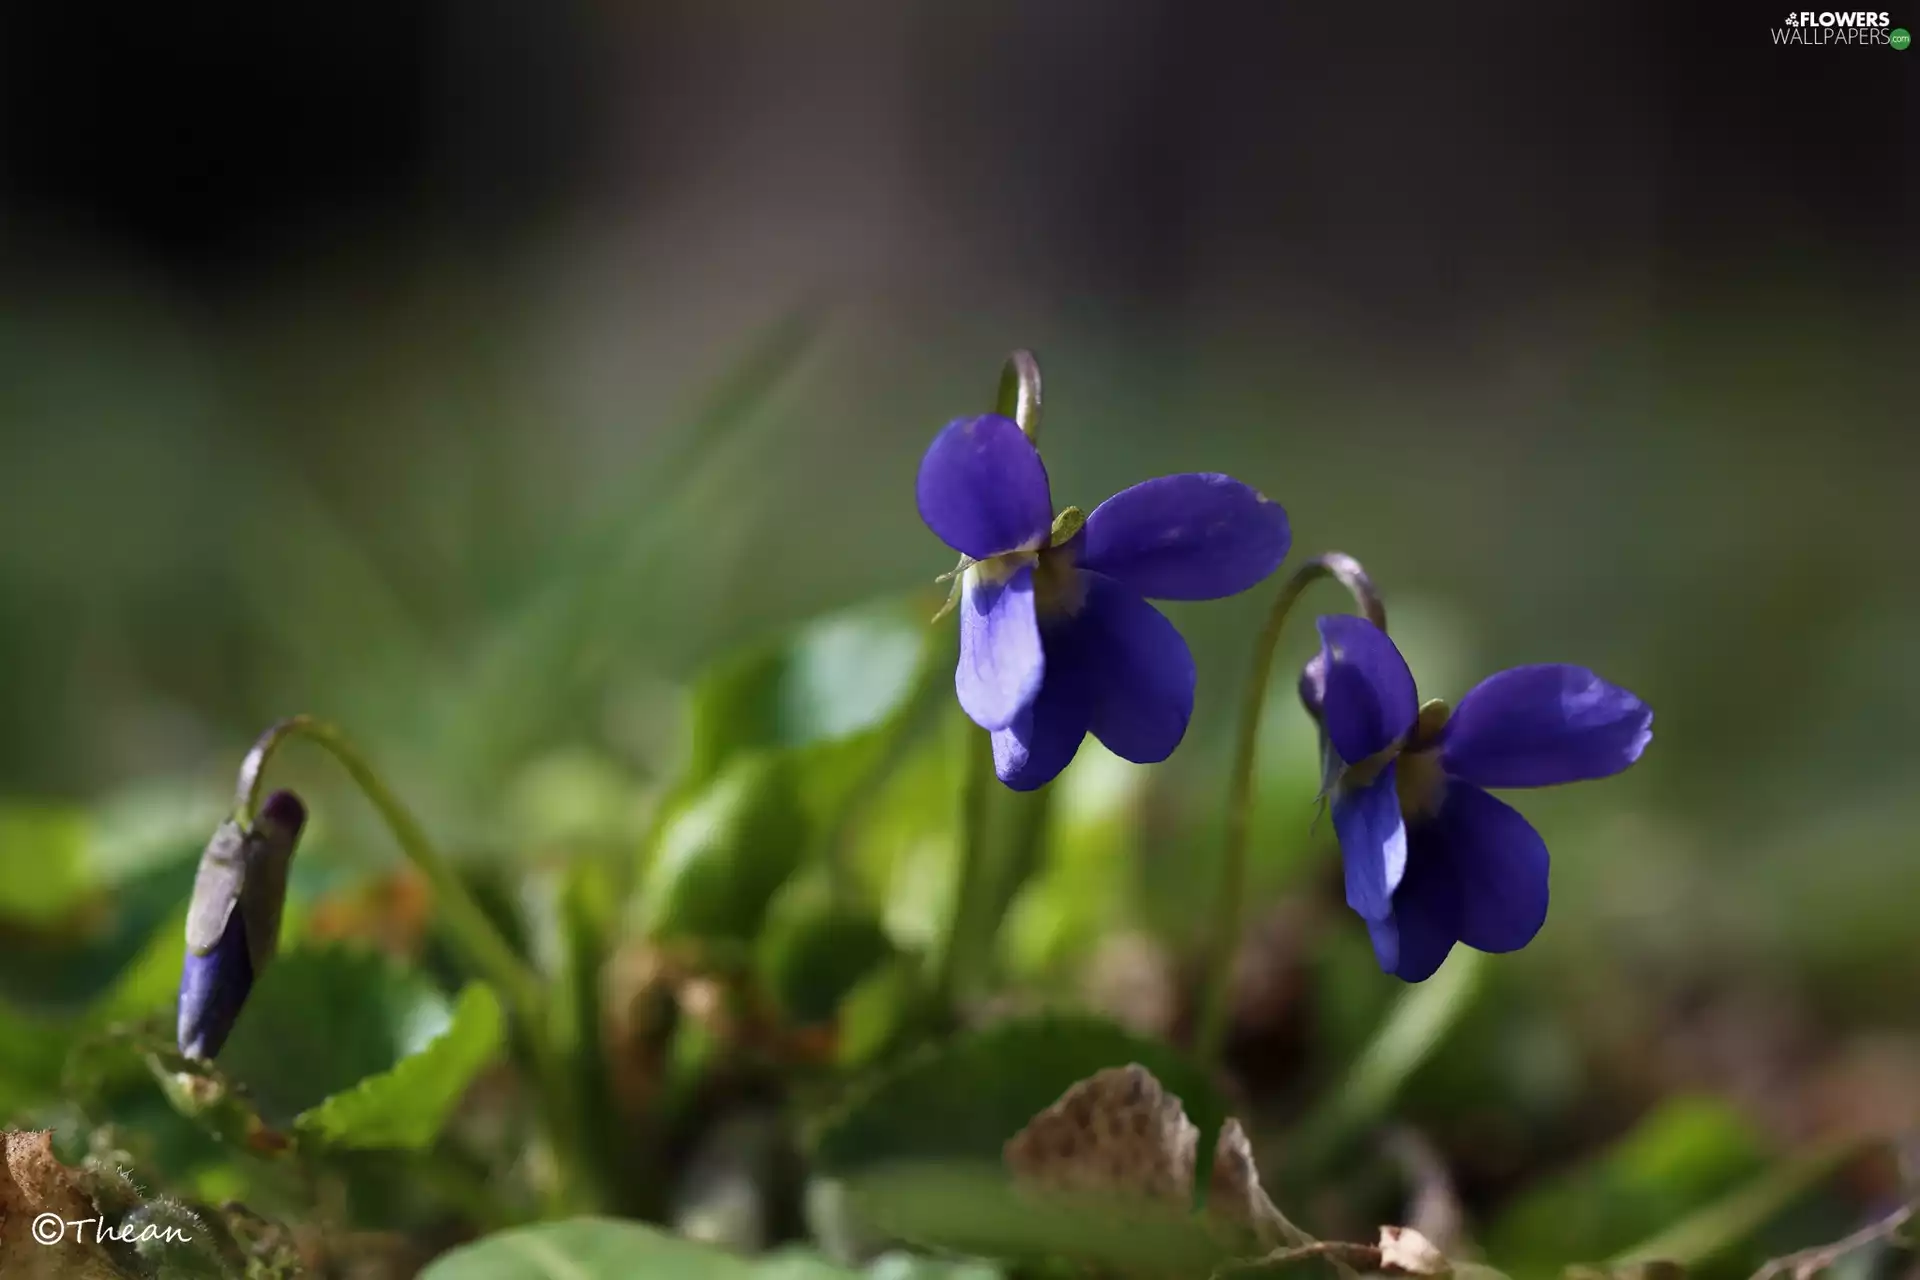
point(1058, 591)
point(1418, 778)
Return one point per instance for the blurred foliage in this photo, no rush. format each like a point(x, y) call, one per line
point(653, 684)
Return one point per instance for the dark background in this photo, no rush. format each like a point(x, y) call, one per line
point(1402, 163)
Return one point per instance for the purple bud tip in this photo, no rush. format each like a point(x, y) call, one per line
point(284, 811)
point(213, 988)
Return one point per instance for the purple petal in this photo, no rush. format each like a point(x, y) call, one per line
point(1189, 537)
point(1001, 662)
point(1416, 939)
point(1373, 844)
point(1369, 702)
point(1138, 670)
point(213, 988)
point(1043, 739)
point(1542, 725)
point(1497, 863)
point(983, 488)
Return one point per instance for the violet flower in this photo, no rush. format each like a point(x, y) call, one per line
point(1057, 639)
point(1432, 859)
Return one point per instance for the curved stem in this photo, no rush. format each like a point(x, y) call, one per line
point(1224, 934)
point(1019, 394)
point(467, 925)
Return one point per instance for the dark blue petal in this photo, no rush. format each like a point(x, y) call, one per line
point(1373, 844)
point(1188, 537)
point(1497, 864)
point(1369, 701)
point(1541, 725)
point(213, 988)
point(1138, 669)
point(1001, 662)
point(983, 488)
point(1416, 939)
point(1043, 739)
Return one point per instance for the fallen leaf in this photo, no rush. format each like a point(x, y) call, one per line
point(1119, 1133)
point(48, 1227)
point(1235, 1196)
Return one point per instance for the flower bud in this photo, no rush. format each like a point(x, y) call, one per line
point(233, 922)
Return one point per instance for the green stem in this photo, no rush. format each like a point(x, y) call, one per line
point(1019, 394)
point(1018, 397)
point(467, 924)
point(977, 781)
point(1224, 935)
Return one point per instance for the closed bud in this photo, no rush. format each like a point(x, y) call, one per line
point(233, 922)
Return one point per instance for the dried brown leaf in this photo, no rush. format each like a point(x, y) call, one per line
point(1117, 1133)
point(1236, 1198)
point(48, 1226)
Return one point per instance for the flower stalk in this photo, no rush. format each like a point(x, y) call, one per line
point(1224, 933)
point(467, 924)
point(1018, 397)
point(467, 927)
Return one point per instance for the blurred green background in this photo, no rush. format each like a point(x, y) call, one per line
point(366, 371)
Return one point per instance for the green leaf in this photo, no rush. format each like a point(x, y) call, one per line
point(725, 853)
point(832, 679)
point(805, 1264)
point(1685, 1154)
point(407, 1106)
point(899, 1265)
point(834, 697)
point(351, 1048)
point(815, 952)
point(43, 861)
point(975, 1210)
point(604, 1249)
point(32, 1052)
point(904, 849)
point(880, 1010)
point(93, 889)
point(85, 961)
point(961, 1101)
